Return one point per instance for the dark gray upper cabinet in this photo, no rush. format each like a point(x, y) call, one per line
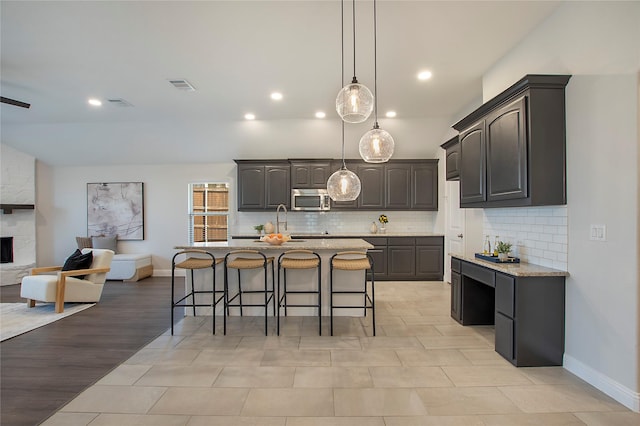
point(452, 158)
point(263, 185)
point(372, 179)
point(310, 173)
point(513, 148)
point(473, 165)
point(398, 186)
point(424, 185)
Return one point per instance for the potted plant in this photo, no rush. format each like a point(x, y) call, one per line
point(383, 220)
point(259, 229)
point(503, 250)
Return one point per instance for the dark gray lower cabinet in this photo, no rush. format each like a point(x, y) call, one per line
point(408, 259)
point(528, 311)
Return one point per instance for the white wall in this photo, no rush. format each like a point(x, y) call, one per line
point(598, 44)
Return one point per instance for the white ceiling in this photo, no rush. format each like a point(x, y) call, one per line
point(55, 55)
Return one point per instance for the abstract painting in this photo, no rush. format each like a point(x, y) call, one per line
point(116, 209)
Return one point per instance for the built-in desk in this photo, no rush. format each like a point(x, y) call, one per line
point(525, 302)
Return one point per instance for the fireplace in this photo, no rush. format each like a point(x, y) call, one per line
point(6, 249)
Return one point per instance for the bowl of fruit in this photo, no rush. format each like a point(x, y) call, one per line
point(275, 239)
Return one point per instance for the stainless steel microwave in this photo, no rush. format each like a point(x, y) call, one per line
point(310, 200)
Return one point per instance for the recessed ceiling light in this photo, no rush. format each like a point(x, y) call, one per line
point(424, 75)
point(320, 114)
point(390, 114)
point(95, 102)
point(249, 116)
point(276, 96)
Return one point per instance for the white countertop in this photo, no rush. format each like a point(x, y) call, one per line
point(515, 269)
point(333, 244)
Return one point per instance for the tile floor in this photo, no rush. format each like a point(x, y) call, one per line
point(422, 369)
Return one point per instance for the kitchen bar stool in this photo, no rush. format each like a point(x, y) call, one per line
point(196, 259)
point(298, 259)
point(354, 261)
point(249, 259)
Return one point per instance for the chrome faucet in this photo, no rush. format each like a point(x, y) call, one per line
point(278, 217)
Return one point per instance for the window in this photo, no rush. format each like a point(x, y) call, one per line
point(208, 212)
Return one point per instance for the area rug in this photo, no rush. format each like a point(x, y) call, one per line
point(17, 318)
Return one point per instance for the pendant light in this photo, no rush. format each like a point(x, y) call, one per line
point(354, 102)
point(343, 185)
point(376, 146)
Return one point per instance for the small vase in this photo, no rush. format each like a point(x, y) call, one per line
point(373, 228)
point(503, 256)
point(269, 228)
point(383, 229)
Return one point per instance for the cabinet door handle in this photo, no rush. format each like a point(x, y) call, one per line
point(459, 235)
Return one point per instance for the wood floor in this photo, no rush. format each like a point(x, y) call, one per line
point(45, 368)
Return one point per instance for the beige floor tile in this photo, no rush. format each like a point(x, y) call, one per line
point(164, 356)
point(124, 375)
point(139, 420)
point(328, 342)
point(270, 342)
point(165, 342)
point(296, 358)
point(255, 377)
point(289, 402)
point(429, 320)
point(538, 419)
point(433, 421)
point(551, 376)
point(69, 419)
point(558, 398)
point(378, 402)
point(335, 421)
point(404, 330)
point(456, 330)
point(187, 326)
point(466, 401)
point(485, 357)
point(180, 375)
point(409, 377)
point(390, 342)
point(453, 342)
point(115, 399)
point(201, 401)
point(207, 341)
point(368, 358)
point(236, 421)
point(223, 357)
point(382, 319)
point(485, 375)
point(617, 418)
point(332, 377)
point(431, 357)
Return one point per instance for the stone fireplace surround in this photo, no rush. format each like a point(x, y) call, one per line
point(17, 186)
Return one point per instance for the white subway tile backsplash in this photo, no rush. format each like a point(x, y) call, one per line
point(538, 234)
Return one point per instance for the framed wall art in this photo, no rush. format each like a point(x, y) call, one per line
point(116, 208)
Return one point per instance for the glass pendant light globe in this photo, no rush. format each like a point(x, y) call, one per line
point(343, 185)
point(354, 102)
point(376, 146)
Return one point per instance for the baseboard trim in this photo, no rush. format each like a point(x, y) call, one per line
point(615, 390)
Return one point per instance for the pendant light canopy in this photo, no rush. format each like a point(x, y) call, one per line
point(377, 145)
point(354, 102)
point(343, 185)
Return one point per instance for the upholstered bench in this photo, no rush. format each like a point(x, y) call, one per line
point(130, 267)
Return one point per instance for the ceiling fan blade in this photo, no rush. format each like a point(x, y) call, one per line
point(14, 102)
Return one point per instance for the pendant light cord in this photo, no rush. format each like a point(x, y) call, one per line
point(353, 18)
point(344, 165)
point(375, 65)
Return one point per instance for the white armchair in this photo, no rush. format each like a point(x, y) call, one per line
point(64, 286)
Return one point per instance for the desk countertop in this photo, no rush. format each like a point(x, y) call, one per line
point(515, 269)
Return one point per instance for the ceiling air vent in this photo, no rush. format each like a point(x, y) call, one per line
point(182, 84)
point(119, 102)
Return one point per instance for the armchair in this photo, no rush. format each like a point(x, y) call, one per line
point(64, 286)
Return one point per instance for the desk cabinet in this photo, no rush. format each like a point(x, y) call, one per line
point(527, 311)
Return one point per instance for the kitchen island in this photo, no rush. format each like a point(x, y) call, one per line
point(252, 279)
